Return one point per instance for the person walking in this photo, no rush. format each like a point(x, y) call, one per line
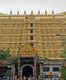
point(33, 78)
point(4, 78)
point(24, 78)
point(39, 78)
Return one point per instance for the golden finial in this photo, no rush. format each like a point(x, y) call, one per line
point(31, 11)
point(11, 12)
point(17, 12)
point(39, 12)
point(24, 12)
point(52, 11)
point(45, 12)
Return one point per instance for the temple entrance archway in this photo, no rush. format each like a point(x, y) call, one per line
point(27, 71)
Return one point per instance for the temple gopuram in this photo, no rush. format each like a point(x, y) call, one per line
point(33, 34)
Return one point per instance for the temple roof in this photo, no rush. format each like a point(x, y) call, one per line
point(3, 14)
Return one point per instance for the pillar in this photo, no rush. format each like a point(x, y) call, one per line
point(13, 72)
point(35, 67)
point(41, 71)
point(19, 70)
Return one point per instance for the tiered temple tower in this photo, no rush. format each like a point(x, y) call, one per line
point(42, 32)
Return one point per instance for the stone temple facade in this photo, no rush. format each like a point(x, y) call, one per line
point(33, 34)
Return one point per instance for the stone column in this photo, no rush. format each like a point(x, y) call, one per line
point(41, 71)
point(13, 72)
point(35, 67)
point(19, 70)
point(33, 70)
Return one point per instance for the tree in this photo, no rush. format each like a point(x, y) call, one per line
point(4, 54)
point(63, 70)
point(63, 55)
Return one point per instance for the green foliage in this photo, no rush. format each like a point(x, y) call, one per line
point(4, 54)
point(64, 54)
point(64, 51)
point(63, 70)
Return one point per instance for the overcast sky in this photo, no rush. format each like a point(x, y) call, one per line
point(56, 5)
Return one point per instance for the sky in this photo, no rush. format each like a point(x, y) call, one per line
point(35, 5)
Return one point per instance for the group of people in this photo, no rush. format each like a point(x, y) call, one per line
point(26, 78)
point(30, 78)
